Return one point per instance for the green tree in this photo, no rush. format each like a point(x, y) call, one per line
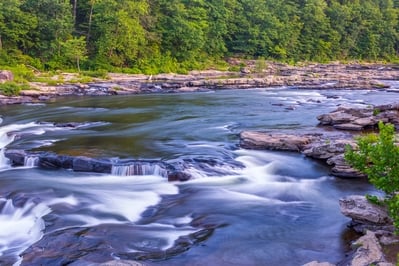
point(377, 156)
point(316, 36)
point(54, 26)
point(75, 49)
point(117, 31)
point(15, 24)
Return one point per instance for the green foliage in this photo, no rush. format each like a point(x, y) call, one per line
point(377, 156)
point(75, 49)
point(21, 73)
point(144, 36)
point(11, 88)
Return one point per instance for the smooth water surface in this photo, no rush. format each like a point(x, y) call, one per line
point(274, 209)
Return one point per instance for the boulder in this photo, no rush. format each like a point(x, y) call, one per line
point(357, 119)
point(86, 164)
point(16, 157)
point(54, 161)
point(342, 169)
point(178, 176)
point(365, 215)
point(368, 252)
point(327, 148)
point(6, 75)
point(274, 141)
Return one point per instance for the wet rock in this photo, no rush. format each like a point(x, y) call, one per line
point(85, 164)
point(357, 119)
point(16, 157)
point(342, 169)
point(54, 161)
point(268, 141)
point(349, 126)
point(315, 146)
point(327, 148)
point(178, 176)
point(368, 252)
point(365, 215)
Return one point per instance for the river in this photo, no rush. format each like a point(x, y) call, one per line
point(242, 207)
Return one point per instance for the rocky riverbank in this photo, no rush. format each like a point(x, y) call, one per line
point(379, 244)
point(310, 76)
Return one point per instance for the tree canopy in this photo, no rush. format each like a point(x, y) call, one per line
point(163, 35)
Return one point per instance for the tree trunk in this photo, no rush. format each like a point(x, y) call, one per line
point(1, 44)
point(77, 62)
point(90, 21)
point(75, 5)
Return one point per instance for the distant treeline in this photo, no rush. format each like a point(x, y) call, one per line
point(169, 35)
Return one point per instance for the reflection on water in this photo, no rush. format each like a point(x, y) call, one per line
point(259, 207)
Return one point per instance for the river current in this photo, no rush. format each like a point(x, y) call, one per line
point(276, 208)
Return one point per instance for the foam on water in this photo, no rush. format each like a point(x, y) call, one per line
point(259, 180)
point(20, 226)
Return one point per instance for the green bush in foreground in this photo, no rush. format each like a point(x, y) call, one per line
point(377, 156)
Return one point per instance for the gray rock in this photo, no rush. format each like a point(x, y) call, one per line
point(85, 164)
point(359, 209)
point(368, 252)
point(6, 75)
point(357, 119)
point(16, 157)
point(268, 141)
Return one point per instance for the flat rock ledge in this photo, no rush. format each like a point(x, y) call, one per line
point(366, 215)
point(172, 170)
point(358, 119)
point(309, 76)
point(373, 221)
point(317, 146)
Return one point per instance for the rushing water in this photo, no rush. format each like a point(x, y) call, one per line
point(260, 208)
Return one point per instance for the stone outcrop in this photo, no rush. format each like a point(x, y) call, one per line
point(176, 170)
point(316, 146)
point(365, 215)
point(274, 141)
point(368, 252)
point(6, 75)
point(357, 119)
point(49, 160)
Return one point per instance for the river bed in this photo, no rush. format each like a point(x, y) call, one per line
point(246, 208)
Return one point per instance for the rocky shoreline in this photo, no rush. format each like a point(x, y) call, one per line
point(310, 76)
point(366, 218)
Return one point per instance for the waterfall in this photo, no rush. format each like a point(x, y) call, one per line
point(7, 136)
point(139, 168)
point(31, 161)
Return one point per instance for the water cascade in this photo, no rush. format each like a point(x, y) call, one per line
point(139, 168)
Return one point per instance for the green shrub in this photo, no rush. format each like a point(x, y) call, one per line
point(10, 88)
point(377, 156)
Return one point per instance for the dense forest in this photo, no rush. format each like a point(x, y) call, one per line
point(170, 35)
